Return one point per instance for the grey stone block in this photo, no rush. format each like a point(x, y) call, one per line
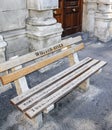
point(22, 52)
point(10, 20)
point(39, 43)
point(12, 5)
point(17, 44)
point(9, 55)
point(16, 41)
point(19, 53)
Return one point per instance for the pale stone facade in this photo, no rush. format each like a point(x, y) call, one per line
point(28, 25)
point(13, 14)
point(97, 19)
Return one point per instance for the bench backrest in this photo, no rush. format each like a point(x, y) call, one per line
point(66, 48)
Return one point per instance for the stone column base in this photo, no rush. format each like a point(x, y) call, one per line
point(44, 36)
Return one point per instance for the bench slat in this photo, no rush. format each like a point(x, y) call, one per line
point(49, 81)
point(56, 86)
point(33, 55)
point(29, 69)
point(63, 91)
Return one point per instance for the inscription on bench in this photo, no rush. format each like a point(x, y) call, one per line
point(51, 49)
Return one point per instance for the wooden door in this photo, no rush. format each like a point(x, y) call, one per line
point(58, 13)
point(70, 15)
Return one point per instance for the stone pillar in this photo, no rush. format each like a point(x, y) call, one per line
point(103, 20)
point(91, 10)
point(98, 21)
point(84, 20)
point(42, 29)
point(3, 44)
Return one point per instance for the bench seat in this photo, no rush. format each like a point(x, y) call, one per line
point(40, 97)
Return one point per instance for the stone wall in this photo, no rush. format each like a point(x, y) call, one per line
point(28, 25)
point(13, 14)
point(97, 19)
point(37, 17)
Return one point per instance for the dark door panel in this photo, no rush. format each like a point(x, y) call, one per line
point(70, 15)
point(58, 13)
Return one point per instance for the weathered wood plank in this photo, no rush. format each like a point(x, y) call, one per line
point(63, 91)
point(50, 81)
point(29, 69)
point(37, 54)
point(56, 86)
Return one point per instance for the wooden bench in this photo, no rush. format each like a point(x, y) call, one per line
point(41, 98)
